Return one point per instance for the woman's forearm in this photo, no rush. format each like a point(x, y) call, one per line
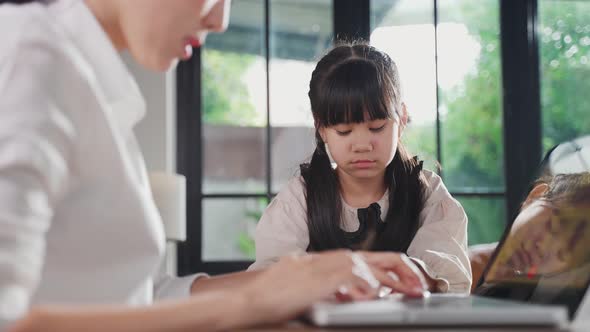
point(210, 311)
point(224, 282)
point(217, 304)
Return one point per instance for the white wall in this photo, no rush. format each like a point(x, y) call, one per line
point(157, 131)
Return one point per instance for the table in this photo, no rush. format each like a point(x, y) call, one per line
point(301, 327)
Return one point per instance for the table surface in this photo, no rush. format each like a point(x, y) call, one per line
point(302, 327)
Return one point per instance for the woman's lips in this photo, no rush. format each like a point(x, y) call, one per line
point(194, 41)
point(189, 44)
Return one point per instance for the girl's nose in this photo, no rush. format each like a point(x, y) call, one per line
point(362, 147)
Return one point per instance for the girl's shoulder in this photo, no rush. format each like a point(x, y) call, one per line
point(434, 187)
point(293, 193)
point(288, 205)
point(439, 205)
point(432, 180)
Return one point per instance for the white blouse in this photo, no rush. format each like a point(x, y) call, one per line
point(439, 246)
point(77, 220)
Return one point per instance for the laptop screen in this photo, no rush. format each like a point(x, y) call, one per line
point(544, 258)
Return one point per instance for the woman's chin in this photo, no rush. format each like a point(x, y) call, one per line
point(164, 64)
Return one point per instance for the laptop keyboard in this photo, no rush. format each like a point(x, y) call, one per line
point(437, 300)
point(456, 301)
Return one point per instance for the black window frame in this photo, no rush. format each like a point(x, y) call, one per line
point(351, 20)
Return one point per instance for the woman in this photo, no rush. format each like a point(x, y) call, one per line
point(546, 237)
point(80, 237)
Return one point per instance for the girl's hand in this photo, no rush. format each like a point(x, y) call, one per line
point(289, 287)
point(401, 274)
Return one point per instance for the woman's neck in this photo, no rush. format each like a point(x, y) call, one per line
point(105, 13)
point(360, 193)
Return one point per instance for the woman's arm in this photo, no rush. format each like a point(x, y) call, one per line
point(281, 292)
point(211, 311)
point(226, 281)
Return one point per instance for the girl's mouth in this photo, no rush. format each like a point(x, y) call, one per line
point(364, 163)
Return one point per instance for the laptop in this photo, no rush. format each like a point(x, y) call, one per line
point(546, 294)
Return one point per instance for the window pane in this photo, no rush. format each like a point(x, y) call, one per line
point(404, 29)
point(228, 227)
point(486, 218)
point(469, 74)
point(300, 33)
point(234, 104)
point(564, 51)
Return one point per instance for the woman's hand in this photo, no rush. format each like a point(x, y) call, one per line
point(289, 287)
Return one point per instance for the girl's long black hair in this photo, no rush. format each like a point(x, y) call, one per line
point(351, 81)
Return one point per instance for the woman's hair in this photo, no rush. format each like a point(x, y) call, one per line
point(349, 84)
point(567, 188)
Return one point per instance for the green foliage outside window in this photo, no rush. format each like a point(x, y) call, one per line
point(564, 39)
point(225, 96)
point(473, 133)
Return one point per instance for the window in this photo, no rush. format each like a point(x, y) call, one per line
point(470, 75)
point(564, 52)
point(233, 120)
point(253, 106)
point(453, 97)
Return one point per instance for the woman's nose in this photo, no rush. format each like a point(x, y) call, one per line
point(217, 18)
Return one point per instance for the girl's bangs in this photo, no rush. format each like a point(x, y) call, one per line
point(353, 93)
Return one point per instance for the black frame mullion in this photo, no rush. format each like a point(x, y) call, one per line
point(222, 267)
point(352, 20)
point(437, 92)
point(235, 195)
point(189, 158)
point(483, 194)
point(522, 106)
point(267, 73)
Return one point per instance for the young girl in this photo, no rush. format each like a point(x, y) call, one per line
point(377, 197)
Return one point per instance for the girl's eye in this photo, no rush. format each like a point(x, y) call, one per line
point(376, 130)
point(343, 132)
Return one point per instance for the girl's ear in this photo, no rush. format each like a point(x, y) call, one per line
point(403, 120)
point(537, 192)
point(323, 135)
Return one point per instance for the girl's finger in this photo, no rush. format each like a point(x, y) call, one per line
point(398, 285)
point(398, 263)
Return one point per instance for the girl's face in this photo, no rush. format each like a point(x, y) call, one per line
point(363, 150)
point(158, 32)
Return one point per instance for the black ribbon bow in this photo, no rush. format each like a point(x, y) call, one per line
point(370, 225)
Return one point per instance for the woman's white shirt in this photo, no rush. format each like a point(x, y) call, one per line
point(77, 219)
